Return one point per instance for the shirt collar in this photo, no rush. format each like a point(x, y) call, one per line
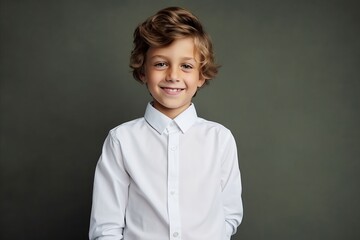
point(160, 121)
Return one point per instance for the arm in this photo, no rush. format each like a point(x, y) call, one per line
point(110, 193)
point(231, 187)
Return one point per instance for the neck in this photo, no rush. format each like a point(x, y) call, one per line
point(170, 112)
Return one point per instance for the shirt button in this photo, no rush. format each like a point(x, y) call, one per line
point(175, 234)
point(172, 192)
point(173, 148)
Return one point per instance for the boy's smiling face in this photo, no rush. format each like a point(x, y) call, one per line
point(172, 75)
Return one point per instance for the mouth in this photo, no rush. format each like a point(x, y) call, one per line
point(172, 91)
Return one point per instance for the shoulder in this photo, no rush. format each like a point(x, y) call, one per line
point(204, 123)
point(211, 126)
point(221, 135)
point(127, 128)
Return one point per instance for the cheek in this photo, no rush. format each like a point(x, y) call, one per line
point(152, 81)
point(195, 81)
point(192, 88)
point(153, 76)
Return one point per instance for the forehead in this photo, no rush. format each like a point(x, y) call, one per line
point(183, 47)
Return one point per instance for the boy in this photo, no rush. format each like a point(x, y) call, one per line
point(170, 174)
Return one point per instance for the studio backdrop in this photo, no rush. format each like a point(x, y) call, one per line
point(288, 89)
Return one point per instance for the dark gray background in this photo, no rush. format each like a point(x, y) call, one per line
point(288, 89)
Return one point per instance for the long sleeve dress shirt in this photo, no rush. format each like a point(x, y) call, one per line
point(167, 179)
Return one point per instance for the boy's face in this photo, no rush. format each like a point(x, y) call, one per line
point(172, 75)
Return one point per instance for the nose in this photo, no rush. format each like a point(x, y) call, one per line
point(172, 74)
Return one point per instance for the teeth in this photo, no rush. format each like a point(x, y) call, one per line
point(173, 89)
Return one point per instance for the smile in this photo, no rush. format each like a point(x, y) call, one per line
point(172, 91)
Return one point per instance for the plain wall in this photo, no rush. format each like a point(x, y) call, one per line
point(288, 89)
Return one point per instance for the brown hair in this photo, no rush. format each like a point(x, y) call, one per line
point(162, 29)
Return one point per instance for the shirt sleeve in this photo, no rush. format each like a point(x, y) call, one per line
point(231, 187)
point(110, 193)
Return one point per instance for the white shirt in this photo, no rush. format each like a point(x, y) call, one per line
point(164, 179)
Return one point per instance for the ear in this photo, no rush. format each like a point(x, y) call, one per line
point(201, 81)
point(143, 78)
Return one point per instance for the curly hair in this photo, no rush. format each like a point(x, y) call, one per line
point(162, 29)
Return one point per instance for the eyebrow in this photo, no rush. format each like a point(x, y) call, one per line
point(184, 58)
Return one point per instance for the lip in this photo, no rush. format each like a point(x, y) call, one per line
point(172, 91)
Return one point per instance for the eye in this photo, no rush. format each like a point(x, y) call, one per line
point(160, 65)
point(187, 66)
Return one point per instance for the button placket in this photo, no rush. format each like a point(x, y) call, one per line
point(173, 183)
